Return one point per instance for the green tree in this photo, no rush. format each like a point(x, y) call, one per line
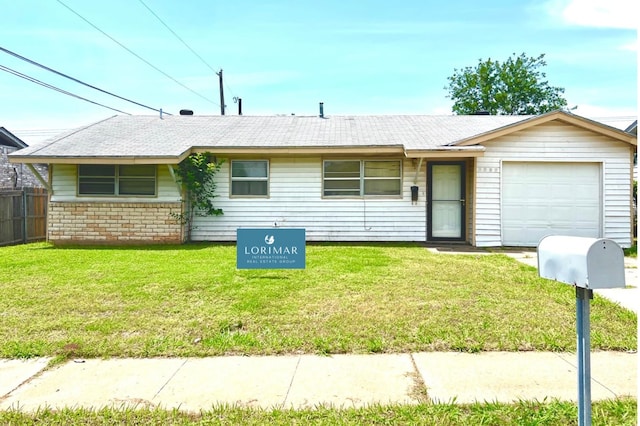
point(516, 86)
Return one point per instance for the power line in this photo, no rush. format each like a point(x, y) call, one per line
point(135, 54)
point(57, 89)
point(32, 62)
point(181, 40)
point(177, 36)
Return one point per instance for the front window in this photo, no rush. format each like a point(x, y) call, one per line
point(342, 178)
point(348, 178)
point(250, 178)
point(125, 180)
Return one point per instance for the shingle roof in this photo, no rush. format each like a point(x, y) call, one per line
point(172, 136)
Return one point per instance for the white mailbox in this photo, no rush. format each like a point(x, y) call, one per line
point(589, 263)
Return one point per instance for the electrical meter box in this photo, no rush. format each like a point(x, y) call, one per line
point(590, 263)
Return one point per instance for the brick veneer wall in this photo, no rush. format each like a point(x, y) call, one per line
point(114, 223)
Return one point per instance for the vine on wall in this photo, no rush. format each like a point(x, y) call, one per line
point(196, 174)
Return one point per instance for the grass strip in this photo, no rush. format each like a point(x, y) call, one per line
point(622, 411)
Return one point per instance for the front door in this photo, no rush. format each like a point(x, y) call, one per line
point(446, 201)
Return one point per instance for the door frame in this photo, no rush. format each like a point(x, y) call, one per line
point(463, 207)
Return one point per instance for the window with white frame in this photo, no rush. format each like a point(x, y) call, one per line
point(112, 180)
point(250, 178)
point(349, 178)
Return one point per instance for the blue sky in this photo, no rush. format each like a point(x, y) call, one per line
point(285, 56)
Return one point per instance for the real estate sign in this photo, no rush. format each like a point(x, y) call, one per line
point(271, 248)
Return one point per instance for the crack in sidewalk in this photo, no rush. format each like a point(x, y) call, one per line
point(295, 371)
point(170, 378)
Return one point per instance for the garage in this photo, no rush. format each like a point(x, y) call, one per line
point(542, 198)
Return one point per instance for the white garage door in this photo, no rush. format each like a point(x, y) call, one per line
point(540, 199)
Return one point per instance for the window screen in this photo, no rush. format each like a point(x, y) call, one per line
point(250, 178)
point(126, 180)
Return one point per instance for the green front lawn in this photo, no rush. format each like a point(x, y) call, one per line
point(191, 300)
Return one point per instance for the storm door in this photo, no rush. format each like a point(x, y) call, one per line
point(446, 201)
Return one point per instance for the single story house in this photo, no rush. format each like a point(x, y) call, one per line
point(478, 179)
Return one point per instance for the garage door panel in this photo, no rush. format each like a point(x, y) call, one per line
point(540, 199)
point(532, 214)
point(560, 215)
point(560, 190)
point(536, 187)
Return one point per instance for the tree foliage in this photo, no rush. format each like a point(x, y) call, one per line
point(516, 86)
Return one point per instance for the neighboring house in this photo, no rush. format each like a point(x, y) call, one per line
point(481, 180)
point(16, 176)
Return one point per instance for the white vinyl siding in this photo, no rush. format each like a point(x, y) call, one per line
point(555, 142)
point(64, 183)
point(469, 197)
point(296, 201)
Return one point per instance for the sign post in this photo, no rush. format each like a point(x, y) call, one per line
point(271, 248)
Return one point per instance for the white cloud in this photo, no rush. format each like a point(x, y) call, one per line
point(597, 13)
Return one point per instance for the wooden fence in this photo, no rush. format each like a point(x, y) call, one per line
point(23, 215)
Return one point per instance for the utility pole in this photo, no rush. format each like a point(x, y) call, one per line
point(219, 74)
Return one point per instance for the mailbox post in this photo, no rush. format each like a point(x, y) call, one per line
point(583, 352)
point(587, 264)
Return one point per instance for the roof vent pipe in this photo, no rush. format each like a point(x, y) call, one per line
point(186, 112)
point(321, 109)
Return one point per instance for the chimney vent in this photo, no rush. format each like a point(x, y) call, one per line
point(321, 109)
point(186, 112)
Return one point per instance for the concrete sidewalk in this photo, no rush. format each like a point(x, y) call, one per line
point(306, 381)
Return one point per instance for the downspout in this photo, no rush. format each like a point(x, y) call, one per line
point(38, 176)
